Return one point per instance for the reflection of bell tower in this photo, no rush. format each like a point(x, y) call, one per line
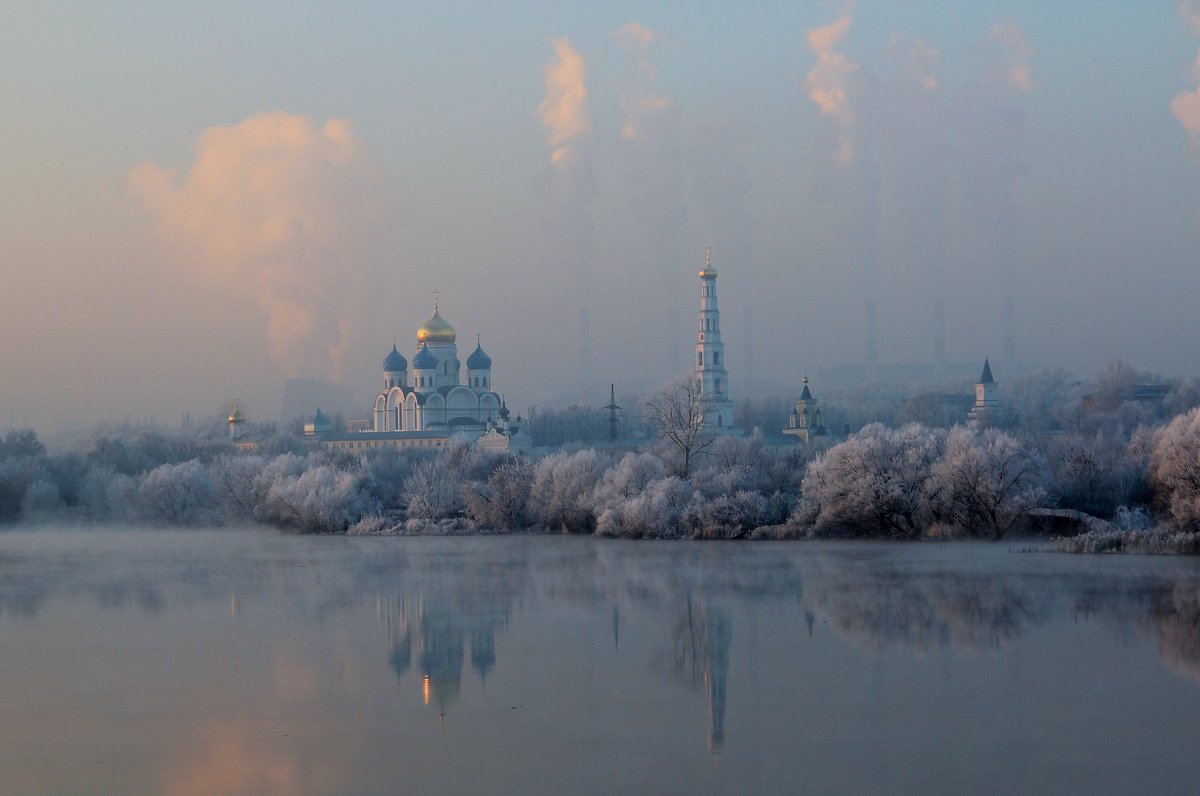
point(483, 649)
point(718, 635)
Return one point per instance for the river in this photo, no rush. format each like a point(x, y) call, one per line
point(248, 661)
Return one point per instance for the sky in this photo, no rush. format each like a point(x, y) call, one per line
point(199, 201)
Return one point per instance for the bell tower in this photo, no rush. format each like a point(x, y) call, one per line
point(710, 353)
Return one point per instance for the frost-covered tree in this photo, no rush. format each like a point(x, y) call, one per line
point(730, 516)
point(627, 479)
point(1175, 471)
point(656, 511)
point(501, 502)
point(676, 412)
point(234, 480)
point(107, 496)
point(433, 490)
point(1097, 473)
point(874, 482)
point(21, 444)
point(561, 496)
point(984, 482)
point(176, 494)
point(320, 499)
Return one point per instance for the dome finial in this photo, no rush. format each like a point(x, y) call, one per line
point(708, 255)
point(435, 298)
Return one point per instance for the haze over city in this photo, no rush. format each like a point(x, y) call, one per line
point(200, 202)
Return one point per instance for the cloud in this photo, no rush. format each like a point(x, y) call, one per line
point(277, 206)
point(563, 111)
point(1016, 47)
point(830, 83)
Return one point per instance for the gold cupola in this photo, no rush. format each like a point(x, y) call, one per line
point(436, 329)
point(708, 272)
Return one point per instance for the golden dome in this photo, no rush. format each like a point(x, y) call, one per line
point(708, 272)
point(237, 416)
point(436, 330)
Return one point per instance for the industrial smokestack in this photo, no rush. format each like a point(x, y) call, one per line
point(872, 357)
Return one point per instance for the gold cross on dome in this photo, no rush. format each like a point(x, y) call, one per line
point(435, 298)
point(708, 255)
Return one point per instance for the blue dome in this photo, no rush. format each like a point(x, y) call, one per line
point(503, 412)
point(395, 360)
point(479, 360)
point(425, 360)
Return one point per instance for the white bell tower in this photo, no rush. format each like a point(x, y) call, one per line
point(710, 353)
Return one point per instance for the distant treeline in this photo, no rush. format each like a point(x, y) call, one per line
point(1132, 465)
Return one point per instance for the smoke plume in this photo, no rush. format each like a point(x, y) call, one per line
point(650, 143)
point(571, 186)
point(914, 149)
point(1186, 105)
point(990, 126)
point(831, 82)
point(839, 89)
point(278, 207)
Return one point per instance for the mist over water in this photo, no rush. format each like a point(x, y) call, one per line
point(246, 661)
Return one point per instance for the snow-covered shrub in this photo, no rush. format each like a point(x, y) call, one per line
point(874, 482)
point(728, 516)
point(321, 499)
point(176, 494)
point(501, 502)
point(984, 482)
point(561, 495)
point(656, 512)
point(433, 490)
point(1175, 471)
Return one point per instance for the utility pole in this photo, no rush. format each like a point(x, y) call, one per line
point(614, 418)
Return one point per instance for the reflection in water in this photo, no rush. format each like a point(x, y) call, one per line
point(966, 613)
point(1177, 621)
point(498, 608)
point(435, 627)
point(702, 637)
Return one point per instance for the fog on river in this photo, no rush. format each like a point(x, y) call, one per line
point(247, 661)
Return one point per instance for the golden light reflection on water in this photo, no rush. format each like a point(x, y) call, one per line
point(230, 757)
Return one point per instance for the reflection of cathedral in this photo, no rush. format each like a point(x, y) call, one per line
point(437, 636)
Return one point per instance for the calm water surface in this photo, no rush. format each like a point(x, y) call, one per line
point(246, 661)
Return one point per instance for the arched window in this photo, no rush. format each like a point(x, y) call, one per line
point(720, 420)
point(717, 386)
point(716, 357)
point(700, 358)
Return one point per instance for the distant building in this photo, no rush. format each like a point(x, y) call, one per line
point(710, 355)
point(805, 423)
point(986, 410)
point(1111, 400)
point(432, 406)
point(236, 421)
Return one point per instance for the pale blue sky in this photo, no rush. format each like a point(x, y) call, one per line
point(445, 96)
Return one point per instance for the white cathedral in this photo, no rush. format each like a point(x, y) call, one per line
point(433, 397)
